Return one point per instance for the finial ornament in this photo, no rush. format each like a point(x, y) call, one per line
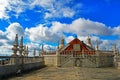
point(15, 45)
point(42, 48)
point(24, 52)
point(61, 45)
point(89, 41)
point(97, 48)
point(21, 46)
point(16, 40)
point(34, 53)
point(27, 52)
point(115, 50)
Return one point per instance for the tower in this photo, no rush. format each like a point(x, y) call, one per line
point(61, 43)
point(115, 50)
point(89, 41)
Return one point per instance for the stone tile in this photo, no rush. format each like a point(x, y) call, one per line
point(71, 73)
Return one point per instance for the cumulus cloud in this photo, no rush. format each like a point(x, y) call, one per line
point(59, 9)
point(44, 3)
point(82, 27)
point(2, 35)
point(7, 37)
point(53, 8)
point(49, 48)
point(16, 6)
point(58, 27)
point(69, 38)
point(42, 33)
point(116, 30)
point(107, 44)
point(13, 29)
point(3, 9)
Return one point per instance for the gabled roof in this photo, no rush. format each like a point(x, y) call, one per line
point(75, 41)
point(83, 46)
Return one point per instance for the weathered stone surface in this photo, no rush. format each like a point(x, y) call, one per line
point(71, 73)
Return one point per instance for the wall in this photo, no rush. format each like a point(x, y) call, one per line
point(96, 60)
point(12, 69)
point(7, 69)
point(50, 60)
point(57, 61)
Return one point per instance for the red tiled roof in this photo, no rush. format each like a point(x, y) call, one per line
point(75, 41)
point(83, 46)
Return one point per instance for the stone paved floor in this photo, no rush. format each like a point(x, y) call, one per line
point(75, 73)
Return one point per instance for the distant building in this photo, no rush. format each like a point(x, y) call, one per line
point(77, 53)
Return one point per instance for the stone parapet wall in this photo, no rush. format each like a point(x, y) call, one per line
point(7, 69)
point(19, 64)
point(13, 69)
point(50, 60)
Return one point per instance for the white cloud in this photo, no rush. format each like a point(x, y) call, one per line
point(82, 27)
point(49, 48)
point(58, 27)
point(116, 30)
point(63, 12)
point(68, 12)
point(2, 35)
point(106, 45)
point(55, 8)
point(3, 9)
point(43, 3)
point(16, 6)
point(69, 38)
point(42, 33)
point(7, 37)
point(13, 29)
point(52, 8)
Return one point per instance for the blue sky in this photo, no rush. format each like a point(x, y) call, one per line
point(47, 21)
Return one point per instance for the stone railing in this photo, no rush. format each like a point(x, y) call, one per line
point(8, 60)
point(12, 65)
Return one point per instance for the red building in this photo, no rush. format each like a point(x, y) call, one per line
point(78, 47)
